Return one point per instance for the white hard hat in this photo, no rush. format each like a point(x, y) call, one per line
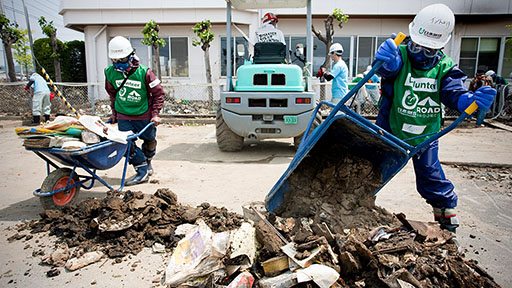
point(489, 73)
point(119, 47)
point(336, 48)
point(432, 26)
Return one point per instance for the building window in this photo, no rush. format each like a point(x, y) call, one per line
point(366, 48)
point(506, 70)
point(240, 52)
point(141, 50)
point(179, 57)
point(479, 55)
point(319, 51)
point(164, 59)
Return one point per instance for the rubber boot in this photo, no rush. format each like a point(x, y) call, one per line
point(36, 120)
point(141, 176)
point(446, 218)
point(46, 118)
point(150, 168)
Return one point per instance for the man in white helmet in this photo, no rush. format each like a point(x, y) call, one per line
point(339, 73)
point(416, 79)
point(268, 32)
point(136, 98)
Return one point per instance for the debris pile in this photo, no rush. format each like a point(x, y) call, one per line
point(211, 247)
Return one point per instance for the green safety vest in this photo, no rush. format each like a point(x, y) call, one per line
point(132, 98)
point(416, 108)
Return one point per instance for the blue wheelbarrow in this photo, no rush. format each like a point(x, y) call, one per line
point(62, 185)
point(345, 131)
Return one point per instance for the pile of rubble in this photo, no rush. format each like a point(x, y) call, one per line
point(211, 247)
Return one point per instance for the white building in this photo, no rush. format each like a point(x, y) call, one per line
point(478, 42)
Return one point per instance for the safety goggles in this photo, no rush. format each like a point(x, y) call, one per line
point(416, 48)
point(121, 60)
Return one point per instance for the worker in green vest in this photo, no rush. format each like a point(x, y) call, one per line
point(136, 98)
point(417, 78)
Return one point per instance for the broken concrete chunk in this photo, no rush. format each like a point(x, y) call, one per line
point(243, 242)
point(58, 257)
point(84, 260)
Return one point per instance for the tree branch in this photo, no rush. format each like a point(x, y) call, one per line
point(318, 34)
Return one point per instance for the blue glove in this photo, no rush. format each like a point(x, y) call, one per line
point(388, 52)
point(483, 96)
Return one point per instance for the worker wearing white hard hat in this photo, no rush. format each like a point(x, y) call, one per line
point(417, 78)
point(338, 73)
point(136, 98)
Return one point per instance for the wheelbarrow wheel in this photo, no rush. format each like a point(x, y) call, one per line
point(227, 140)
point(57, 180)
point(316, 123)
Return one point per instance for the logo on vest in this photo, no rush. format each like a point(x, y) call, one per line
point(133, 97)
point(129, 83)
point(421, 84)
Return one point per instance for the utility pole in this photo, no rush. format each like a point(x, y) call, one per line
point(29, 32)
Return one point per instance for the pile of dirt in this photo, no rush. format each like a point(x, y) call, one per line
point(125, 222)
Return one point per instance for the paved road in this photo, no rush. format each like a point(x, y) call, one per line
point(189, 163)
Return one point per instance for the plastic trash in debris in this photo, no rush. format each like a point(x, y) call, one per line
point(379, 233)
point(243, 280)
point(84, 260)
point(89, 137)
point(118, 225)
point(284, 280)
point(195, 255)
point(96, 125)
point(243, 241)
point(184, 229)
point(158, 248)
point(323, 276)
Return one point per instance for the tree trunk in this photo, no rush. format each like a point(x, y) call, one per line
point(208, 74)
point(156, 61)
point(56, 62)
point(328, 41)
point(10, 61)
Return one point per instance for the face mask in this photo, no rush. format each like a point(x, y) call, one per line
point(122, 65)
point(421, 57)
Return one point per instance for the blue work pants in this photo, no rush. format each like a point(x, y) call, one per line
point(138, 155)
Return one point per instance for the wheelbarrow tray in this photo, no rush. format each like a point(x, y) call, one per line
point(344, 133)
point(99, 156)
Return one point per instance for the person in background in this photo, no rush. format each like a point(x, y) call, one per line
point(416, 79)
point(268, 31)
point(372, 87)
point(495, 78)
point(339, 73)
point(136, 98)
point(41, 103)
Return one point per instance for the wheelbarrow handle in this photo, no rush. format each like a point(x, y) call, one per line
point(140, 132)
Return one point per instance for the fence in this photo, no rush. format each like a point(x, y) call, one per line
point(192, 98)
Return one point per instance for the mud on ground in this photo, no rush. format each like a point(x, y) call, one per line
point(124, 222)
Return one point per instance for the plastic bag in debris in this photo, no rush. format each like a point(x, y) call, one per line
point(96, 125)
point(196, 255)
point(61, 123)
point(323, 276)
point(243, 280)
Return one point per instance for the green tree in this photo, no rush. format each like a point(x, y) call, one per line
point(73, 62)
point(329, 31)
point(22, 52)
point(151, 38)
point(43, 52)
point(205, 37)
point(10, 34)
point(49, 30)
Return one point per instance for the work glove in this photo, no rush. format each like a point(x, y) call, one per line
point(483, 96)
point(388, 52)
point(52, 95)
point(27, 89)
point(157, 120)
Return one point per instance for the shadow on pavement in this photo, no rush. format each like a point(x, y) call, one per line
point(252, 152)
point(29, 209)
